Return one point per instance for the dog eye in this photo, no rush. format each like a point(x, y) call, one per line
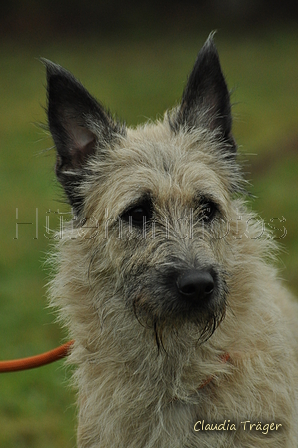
point(208, 210)
point(138, 215)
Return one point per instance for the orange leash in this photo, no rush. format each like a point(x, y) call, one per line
point(59, 353)
point(36, 361)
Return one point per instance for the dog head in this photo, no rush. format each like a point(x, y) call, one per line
point(153, 202)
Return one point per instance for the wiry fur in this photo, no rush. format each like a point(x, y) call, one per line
point(141, 358)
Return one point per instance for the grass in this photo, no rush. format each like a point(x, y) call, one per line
point(138, 80)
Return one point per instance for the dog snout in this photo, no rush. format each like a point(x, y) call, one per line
point(196, 285)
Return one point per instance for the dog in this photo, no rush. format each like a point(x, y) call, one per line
point(184, 335)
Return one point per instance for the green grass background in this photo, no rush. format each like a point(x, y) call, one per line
point(138, 79)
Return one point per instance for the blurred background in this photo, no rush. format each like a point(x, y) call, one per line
point(134, 57)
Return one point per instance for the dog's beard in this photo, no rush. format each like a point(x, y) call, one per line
point(167, 314)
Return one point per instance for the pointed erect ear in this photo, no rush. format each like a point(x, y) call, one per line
point(206, 99)
point(79, 126)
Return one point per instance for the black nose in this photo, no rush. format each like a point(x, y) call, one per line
point(196, 284)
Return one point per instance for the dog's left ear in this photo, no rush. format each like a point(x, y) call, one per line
point(206, 99)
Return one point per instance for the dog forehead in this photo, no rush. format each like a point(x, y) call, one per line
point(154, 161)
point(155, 146)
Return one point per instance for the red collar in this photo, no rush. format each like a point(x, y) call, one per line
point(223, 358)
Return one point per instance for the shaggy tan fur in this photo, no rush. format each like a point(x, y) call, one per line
point(139, 388)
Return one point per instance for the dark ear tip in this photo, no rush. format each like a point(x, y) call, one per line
point(49, 65)
point(210, 38)
point(52, 68)
point(209, 46)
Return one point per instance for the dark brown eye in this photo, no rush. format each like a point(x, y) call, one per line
point(208, 210)
point(139, 214)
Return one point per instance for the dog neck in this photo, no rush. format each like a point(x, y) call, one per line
point(223, 358)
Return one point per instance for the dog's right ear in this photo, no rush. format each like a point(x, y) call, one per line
point(79, 126)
